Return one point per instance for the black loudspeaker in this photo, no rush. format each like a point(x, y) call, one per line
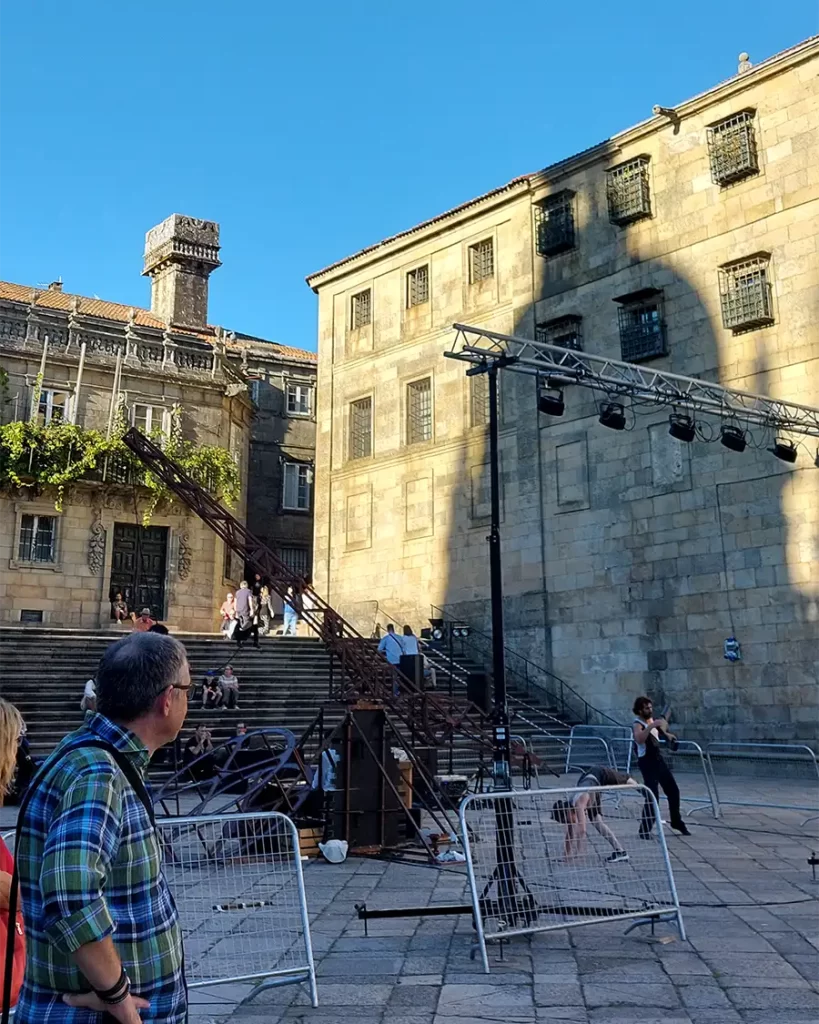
point(412, 666)
point(367, 813)
point(479, 690)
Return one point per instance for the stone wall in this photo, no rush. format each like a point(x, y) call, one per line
point(628, 557)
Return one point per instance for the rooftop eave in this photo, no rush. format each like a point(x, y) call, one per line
point(422, 232)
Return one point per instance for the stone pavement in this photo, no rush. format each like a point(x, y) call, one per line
point(755, 961)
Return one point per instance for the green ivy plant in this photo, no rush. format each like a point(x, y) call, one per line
point(50, 458)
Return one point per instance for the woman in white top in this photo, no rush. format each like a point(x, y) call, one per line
point(409, 641)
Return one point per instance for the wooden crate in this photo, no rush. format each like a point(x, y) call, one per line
point(404, 786)
point(309, 838)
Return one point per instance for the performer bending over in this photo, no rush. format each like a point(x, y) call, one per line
point(584, 805)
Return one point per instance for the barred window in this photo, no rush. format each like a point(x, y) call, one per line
point(642, 333)
point(627, 191)
point(418, 286)
point(361, 312)
point(37, 536)
point(554, 224)
point(565, 332)
point(297, 560)
point(419, 411)
point(479, 400)
point(745, 293)
point(481, 261)
point(732, 148)
point(299, 399)
point(361, 428)
point(298, 479)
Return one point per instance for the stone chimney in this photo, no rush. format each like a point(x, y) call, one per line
point(180, 255)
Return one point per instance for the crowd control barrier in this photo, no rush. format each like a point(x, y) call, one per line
point(687, 759)
point(238, 884)
point(524, 880)
point(599, 744)
point(777, 775)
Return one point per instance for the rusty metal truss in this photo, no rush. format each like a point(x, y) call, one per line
point(559, 367)
point(365, 674)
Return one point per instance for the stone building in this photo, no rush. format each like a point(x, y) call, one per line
point(101, 365)
point(689, 242)
point(282, 446)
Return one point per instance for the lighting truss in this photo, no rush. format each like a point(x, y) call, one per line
point(644, 385)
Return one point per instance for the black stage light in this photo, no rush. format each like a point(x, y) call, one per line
point(785, 450)
point(612, 415)
point(437, 628)
point(551, 403)
point(682, 427)
point(733, 438)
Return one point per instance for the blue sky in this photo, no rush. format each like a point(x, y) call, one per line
point(311, 130)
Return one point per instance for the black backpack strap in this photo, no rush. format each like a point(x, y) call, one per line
point(136, 783)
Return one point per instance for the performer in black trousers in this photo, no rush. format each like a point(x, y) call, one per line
point(656, 773)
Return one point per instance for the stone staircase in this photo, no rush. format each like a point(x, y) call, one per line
point(284, 684)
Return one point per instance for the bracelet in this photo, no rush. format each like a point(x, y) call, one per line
point(118, 993)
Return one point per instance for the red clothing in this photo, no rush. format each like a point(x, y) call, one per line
point(142, 625)
point(19, 965)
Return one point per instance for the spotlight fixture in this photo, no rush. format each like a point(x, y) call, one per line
point(733, 438)
point(613, 415)
point(551, 402)
point(681, 427)
point(437, 630)
point(785, 450)
point(461, 632)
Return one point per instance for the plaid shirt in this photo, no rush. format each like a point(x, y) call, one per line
point(90, 866)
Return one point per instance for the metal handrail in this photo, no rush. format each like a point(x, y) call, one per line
point(588, 710)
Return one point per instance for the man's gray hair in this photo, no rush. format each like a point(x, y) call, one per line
point(134, 671)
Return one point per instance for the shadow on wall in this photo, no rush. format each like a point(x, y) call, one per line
point(630, 557)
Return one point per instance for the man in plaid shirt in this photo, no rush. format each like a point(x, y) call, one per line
point(102, 931)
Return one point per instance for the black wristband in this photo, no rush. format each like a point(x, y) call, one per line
point(116, 993)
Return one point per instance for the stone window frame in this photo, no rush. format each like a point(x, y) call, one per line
point(361, 309)
point(628, 190)
point(165, 417)
point(559, 207)
point(733, 151)
point(482, 260)
point(370, 398)
point(28, 508)
point(733, 303)
point(306, 385)
point(563, 331)
point(632, 331)
point(409, 384)
point(298, 466)
point(46, 416)
point(417, 284)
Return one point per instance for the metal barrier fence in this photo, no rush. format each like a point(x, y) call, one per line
point(696, 785)
point(584, 746)
point(781, 775)
point(529, 872)
point(238, 884)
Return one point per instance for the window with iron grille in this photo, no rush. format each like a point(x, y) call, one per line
point(361, 428)
point(479, 400)
point(419, 411)
point(481, 261)
point(565, 332)
point(732, 148)
point(361, 311)
point(642, 333)
point(745, 293)
point(37, 537)
point(418, 286)
point(299, 399)
point(298, 479)
point(554, 224)
point(627, 191)
point(297, 560)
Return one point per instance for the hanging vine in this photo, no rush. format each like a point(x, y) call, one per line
point(47, 459)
